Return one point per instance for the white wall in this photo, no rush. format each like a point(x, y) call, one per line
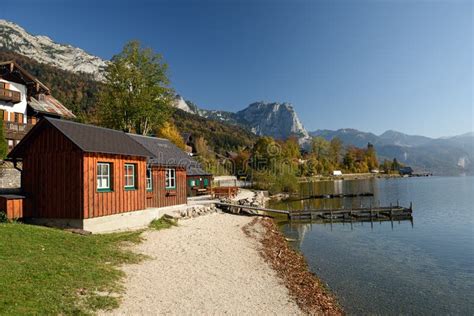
point(17, 107)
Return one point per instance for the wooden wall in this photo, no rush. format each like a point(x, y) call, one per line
point(51, 177)
point(60, 181)
point(118, 200)
point(160, 196)
point(13, 207)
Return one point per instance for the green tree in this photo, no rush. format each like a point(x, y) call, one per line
point(335, 150)
point(387, 166)
point(3, 142)
point(265, 153)
point(319, 147)
point(136, 96)
point(291, 149)
point(395, 165)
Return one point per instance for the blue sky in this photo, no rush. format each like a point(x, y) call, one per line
point(370, 65)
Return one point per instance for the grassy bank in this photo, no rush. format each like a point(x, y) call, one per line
point(50, 271)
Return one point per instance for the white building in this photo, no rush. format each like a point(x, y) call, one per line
point(23, 101)
point(337, 173)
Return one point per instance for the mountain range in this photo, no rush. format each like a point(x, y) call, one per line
point(448, 155)
point(442, 156)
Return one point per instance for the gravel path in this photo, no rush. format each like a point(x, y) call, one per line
point(206, 265)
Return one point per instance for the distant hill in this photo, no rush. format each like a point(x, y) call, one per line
point(401, 139)
point(442, 156)
point(348, 136)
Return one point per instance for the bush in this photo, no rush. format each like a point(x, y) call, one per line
point(3, 217)
point(286, 182)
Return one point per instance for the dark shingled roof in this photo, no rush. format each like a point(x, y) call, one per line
point(90, 138)
point(165, 153)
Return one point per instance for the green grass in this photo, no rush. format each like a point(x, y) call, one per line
point(45, 271)
point(163, 223)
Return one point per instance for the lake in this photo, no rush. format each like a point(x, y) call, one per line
point(423, 267)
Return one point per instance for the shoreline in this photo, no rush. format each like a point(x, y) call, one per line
point(349, 176)
point(305, 287)
point(244, 261)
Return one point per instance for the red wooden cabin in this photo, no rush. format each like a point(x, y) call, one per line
point(74, 173)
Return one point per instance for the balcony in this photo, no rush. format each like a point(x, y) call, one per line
point(14, 130)
point(10, 95)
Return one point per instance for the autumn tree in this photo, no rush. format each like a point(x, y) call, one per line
point(335, 151)
point(169, 131)
point(201, 146)
point(291, 149)
point(371, 157)
point(136, 96)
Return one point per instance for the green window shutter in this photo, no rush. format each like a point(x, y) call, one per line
point(198, 182)
point(206, 182)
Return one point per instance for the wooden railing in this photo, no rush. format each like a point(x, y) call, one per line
point(10, 95)
point(16, 127)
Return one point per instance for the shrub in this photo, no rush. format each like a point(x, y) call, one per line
point(3, 217)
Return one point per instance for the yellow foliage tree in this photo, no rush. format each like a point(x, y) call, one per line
point(169, 131)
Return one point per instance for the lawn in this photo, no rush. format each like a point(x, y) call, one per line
point(50, 271)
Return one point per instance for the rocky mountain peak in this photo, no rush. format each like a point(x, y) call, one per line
point(44, 50)
point(278, 120)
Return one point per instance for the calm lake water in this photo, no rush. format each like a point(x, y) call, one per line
point(424, 267)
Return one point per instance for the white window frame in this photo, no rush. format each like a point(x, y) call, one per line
point(149, 179)
point(128, 176)
point(170, 178)
point(101, 176)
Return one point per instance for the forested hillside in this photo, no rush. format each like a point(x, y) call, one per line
point(220, 136)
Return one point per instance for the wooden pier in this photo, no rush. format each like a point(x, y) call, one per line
point(380, 213)
point(330, 196)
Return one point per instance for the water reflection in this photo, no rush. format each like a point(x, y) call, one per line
point(333, 187)
point(296, 230)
